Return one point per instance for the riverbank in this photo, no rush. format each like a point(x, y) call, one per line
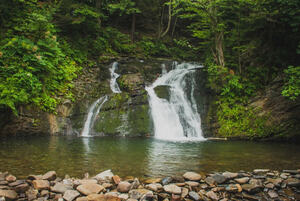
point(260, 184)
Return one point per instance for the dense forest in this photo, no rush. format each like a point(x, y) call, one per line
point(244, 45)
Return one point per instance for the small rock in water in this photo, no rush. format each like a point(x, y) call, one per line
point(166, 180)
point(192, 176)
point(50, 176)
point(219, 178)
point(124, 187)
point(70, 195)
point(195, 196)
point(172, 188)
point(230, 175)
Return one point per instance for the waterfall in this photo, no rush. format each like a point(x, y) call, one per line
point(114, 76)
point(176, 118)
point(92, 115)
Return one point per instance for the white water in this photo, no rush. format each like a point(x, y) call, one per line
point(92, 115)
point(178, 118)
point(114, 76)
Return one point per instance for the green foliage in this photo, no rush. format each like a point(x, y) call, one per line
point(291, 88)
point(152, 47)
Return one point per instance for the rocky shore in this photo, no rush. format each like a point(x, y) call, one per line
point(261, 184)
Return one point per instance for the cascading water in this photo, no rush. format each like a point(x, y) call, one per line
point(176, 118)
point(114, 76)
point(92, 115)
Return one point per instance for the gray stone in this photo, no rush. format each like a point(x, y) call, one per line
point(276, 182)
point(22, 188)
point(16, 183)
point(124, 187)
point(293, 182)
point(230, 175)
point(284, 175)
point(70, 195)
point(152, 187)
point(254, 186)
point(87, 189)
point(31, 194)
point(50, 176)
point(124, 196)
point(61, 188)
point(172, 188)
point(137, 193)
point(210, 181)
point(9, 194)
point(192, 176)
point(184, 192)
point(270, 185)
point(104, 176)
point(219, 179)
point(290, 171)
point(166, 180)
point(242, 180)
point(195, 196)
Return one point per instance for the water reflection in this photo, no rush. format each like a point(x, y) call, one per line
point(138, 156)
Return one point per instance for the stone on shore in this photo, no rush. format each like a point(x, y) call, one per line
point(212, 195)
point(230, 175)
point(61, 188)
point(242, 180)
point(192, 176)
point(22, 188)
point(9, 194)
point(41, 184)
point(219, 179)
point(116, 179)
point(195, 196)
point(124, 187)
point(50, 176)
point(10, 178)
point(104, 176)
point(172, 188)
point(88, 189)
point(70, 195)
point(260, 171)
point(138, 193)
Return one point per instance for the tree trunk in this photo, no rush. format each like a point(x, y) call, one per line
point(174, 26)
point(219, 48)
point(133, 27)
point(169, 21)
point(98, 7)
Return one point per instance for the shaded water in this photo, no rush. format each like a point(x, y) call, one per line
point(139, 156)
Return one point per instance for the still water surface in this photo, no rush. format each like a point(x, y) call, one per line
point(139, 157)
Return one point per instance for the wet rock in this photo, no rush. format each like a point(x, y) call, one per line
point(254, 186)
point(192, 176)
point(71, 195)
point(50, 176)
point(116, 179)
point(172, 188)
point(219, 179)
point(10, 178)
point(87, 189)
point(178, 179)
point(16, 183)
point(61, 188)
point(210, 181)
point(137, 193)
point(290, 171)
point(212, 195)
point(124, 187)
point(152, 180)
point(9, 194)
point(184, 192)
point(135, 183)
point(195, 196)
point(41, 184)
point(166, 180)
point(230, 175)
point(175, 197)
point(276, 182)
point(293, 182)
point(242, 180)
point(104, 176)
point(22, 188)
point(272, 194)
point(152, 187)
point(260, 171)
point(31, 194)
point(192, 183)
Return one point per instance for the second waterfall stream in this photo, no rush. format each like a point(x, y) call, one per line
point(176, 118)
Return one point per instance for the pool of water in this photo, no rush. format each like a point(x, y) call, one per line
point(140, 157)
